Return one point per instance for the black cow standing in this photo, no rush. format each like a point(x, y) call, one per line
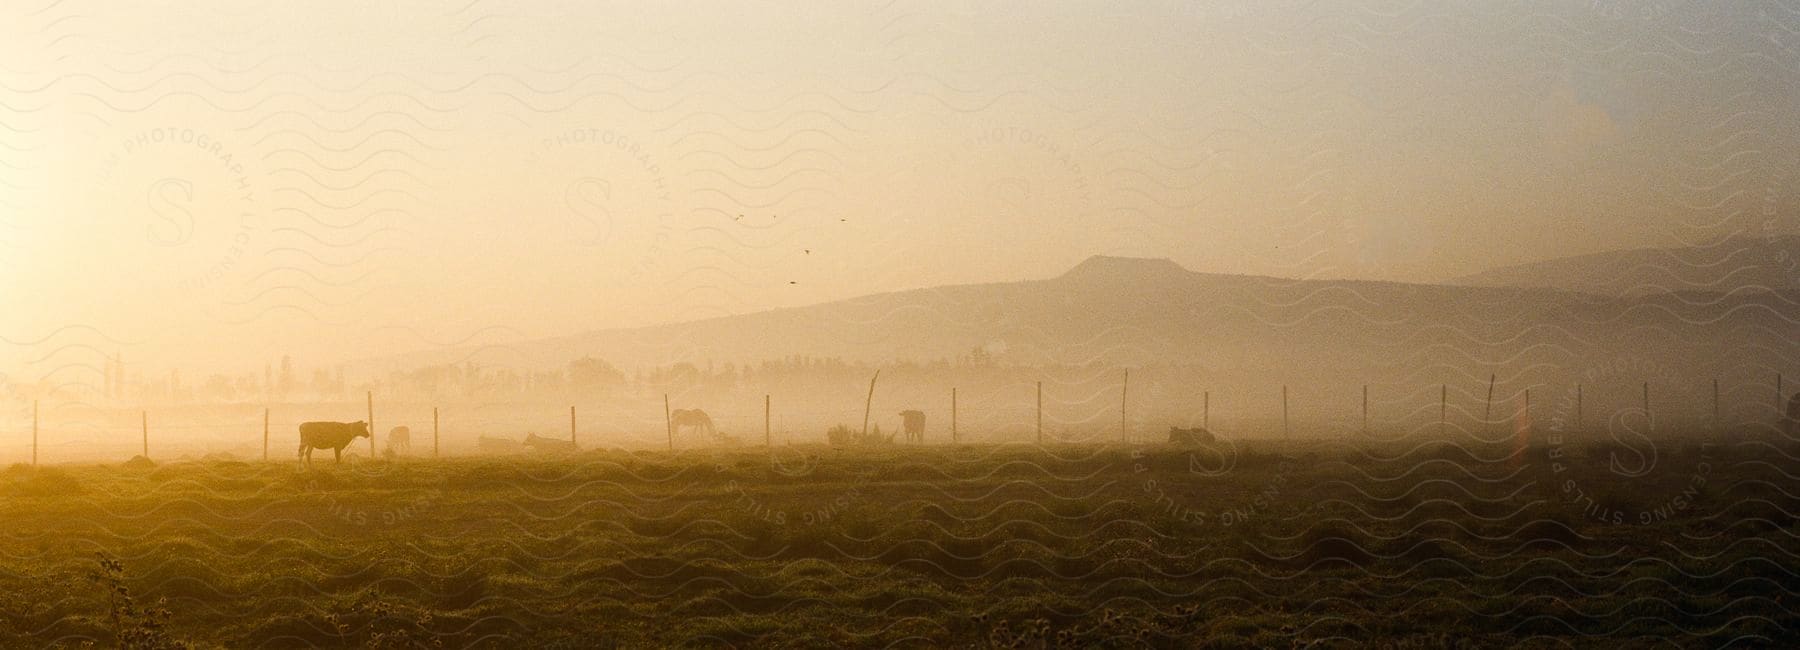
point(1190, 437)
point(1792, 425)
point(329, 435)
point(912, 423)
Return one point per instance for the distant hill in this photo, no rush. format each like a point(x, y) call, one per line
point(1113, 312)
point(1741, 263)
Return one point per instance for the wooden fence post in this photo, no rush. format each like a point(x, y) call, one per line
point(1124, 423)
point(145, 423)
point(667, 423)
point(1365, 427)
point(571, 423)
point(1443, 406)
point(34, 433)
point(434, 432)
point(953, 436)
point(869, 401)
point(1206, 410)
point(1487, 414)
point(1577, 407)
point(371, 396)
point(1284, 413)
point(1647, 420)
point(1040, 413)
point(1715, 418)
point(265, 434)
point(767, 439)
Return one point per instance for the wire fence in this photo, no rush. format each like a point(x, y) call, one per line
point(1052, 413)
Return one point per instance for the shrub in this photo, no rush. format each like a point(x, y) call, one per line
point(133, 627)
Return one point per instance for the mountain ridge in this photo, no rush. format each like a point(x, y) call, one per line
point(1125, 311)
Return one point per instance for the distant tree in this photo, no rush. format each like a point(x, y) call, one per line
point(683, 374)
point(287, 383)
point(321, 383)
point(247, 386)
point(588, 372)
point(218, 388)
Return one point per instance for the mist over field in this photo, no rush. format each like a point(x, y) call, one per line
point(929, 324)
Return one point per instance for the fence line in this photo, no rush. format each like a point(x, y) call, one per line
point(1696, 410)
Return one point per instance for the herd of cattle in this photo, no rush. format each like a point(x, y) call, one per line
point(338, 435)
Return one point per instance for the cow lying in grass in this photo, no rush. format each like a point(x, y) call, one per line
point(329, 435)
point(552, 445)
point(1190, 437)
point(497, 445)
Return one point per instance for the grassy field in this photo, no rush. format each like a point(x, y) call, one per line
point(1401, 544)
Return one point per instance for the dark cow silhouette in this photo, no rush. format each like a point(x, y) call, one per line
point(912, 423)
point(399, 439)
point(695, 419)
point(329, 435)
point(541, 443)
point(1793, 416)
point(1194, 436)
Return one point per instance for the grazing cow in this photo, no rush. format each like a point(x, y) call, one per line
point(399, 439)
point(495, 445)
point(551, 445)
point(694, 419)
point(913, 424)
point(329, 435)
point(1793, 416)
point(1190, 437)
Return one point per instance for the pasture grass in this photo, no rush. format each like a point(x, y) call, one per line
point(1411, 545)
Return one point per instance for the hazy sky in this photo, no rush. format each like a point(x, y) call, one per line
point(213, 187)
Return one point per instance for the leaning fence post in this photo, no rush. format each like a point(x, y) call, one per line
point(667, 423)
point(1487, 414)
point(869, 402)
point(571, 424)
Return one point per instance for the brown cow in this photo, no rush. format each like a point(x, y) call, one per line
point(1189, 437)
point(551, 445)
point(912, 423)
point(329, 435)
point(399, 439)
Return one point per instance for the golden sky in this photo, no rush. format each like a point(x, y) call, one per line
point(212, 184)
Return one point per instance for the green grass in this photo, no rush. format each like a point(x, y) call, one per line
point(1409, 545)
